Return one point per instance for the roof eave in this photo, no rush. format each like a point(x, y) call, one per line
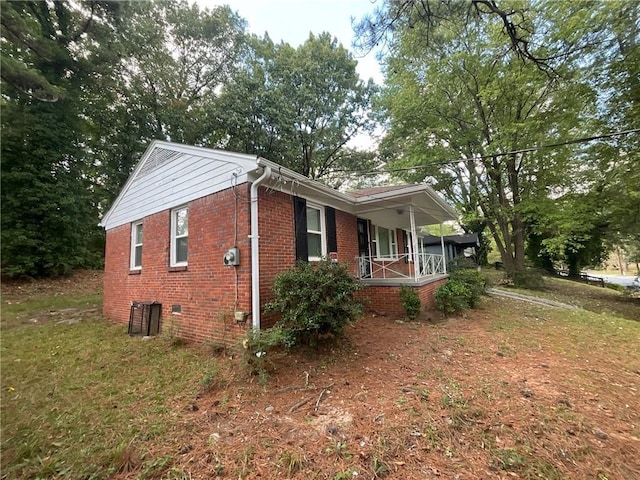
point(312, 184)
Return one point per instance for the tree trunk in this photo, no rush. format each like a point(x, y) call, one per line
point(518, 242)
point(620, 261)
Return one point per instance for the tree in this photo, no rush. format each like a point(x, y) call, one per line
point(619, 78)
point(48, 225)
point(568, 230)
point(85, 86)
point(172, 61)
point(454, 92)
point(517, 33)
point(609, 37)
point(297, 106)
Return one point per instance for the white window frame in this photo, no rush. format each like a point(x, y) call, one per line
point(134, 246)
point(393, 243)
point(322, 232)
point(174, 237)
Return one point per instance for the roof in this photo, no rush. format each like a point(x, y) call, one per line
point(170, 174)
point(377, 190)
point(462, 240)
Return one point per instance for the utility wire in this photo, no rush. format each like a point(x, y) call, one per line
point(499, 154)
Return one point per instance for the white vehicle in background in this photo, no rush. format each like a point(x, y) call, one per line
point(633, 288)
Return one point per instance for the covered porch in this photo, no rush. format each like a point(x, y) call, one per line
point(391, 250)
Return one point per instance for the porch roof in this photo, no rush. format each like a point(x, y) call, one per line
point(391, 203)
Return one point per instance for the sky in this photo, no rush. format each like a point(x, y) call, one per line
point(292, 20)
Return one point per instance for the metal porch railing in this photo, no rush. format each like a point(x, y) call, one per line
point(401, 266)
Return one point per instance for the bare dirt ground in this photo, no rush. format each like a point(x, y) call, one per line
point(462, 398)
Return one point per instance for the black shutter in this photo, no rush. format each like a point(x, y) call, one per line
point(330, 221)
point(300, 228)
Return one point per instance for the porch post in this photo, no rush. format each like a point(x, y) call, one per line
point(444, 256)
point(414, 244)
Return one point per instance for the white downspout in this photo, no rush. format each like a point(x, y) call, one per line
point(255, 250)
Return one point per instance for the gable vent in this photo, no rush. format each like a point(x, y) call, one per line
point(159, 157)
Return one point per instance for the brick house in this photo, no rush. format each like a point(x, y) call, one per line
point(203, 232)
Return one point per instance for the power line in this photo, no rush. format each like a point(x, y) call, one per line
point(499, 154)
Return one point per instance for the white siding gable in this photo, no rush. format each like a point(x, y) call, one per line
point(169, 175)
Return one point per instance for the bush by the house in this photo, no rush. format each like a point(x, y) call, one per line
point(453, 297)
point(461, 263)
point(315, 299)
point(462, 291)
point(474, 281)
point(410, 301)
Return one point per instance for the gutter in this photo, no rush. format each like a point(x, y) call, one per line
point(255, 250)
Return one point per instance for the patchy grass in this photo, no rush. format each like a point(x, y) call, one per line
point(81, 399)
point(589, 297)
point(40, 310)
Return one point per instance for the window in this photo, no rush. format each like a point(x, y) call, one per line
point(385, 243)
point(179, 236)
point(136, 246)
point(314, 229)
point(316, 233)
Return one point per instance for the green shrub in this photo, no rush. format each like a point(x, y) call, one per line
point(462, 291)
point(315, 299)
point(527, 279)
point(475, 282)
point(410, 301)
point(260, 346)
point(454, 296)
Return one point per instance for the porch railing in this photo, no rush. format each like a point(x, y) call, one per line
point(400, 267)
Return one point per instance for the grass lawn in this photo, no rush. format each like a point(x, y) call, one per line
point(77, 390)
point(510, 390)
point(589, 297)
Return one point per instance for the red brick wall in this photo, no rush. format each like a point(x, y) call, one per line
point(385, 299)
point(427, 294)
point(347, 235)
point(277, 245)
point(206, 289)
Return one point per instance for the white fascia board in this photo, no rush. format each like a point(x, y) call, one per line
point(384, 200)
point(205, 152)
point(278, 170)
point(319, 191)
